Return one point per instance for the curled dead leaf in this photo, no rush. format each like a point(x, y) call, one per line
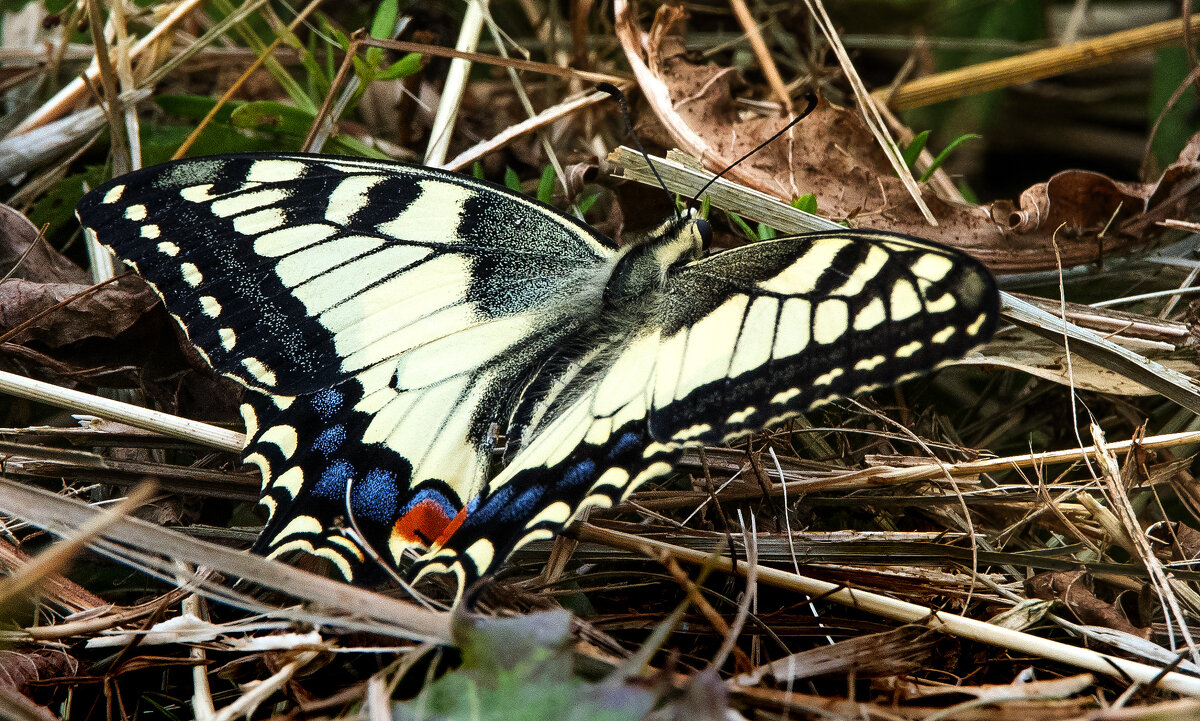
point(832, 155)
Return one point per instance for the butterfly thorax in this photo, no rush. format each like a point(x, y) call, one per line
point(644, 263)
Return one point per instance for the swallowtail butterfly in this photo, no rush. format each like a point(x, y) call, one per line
point(388, 318)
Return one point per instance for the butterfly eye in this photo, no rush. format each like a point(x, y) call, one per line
point(704, 228)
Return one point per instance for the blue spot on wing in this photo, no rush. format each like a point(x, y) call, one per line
point(332, 484)
point(327, 402)
point(374, 497)
point(582, 472)
point(430, 494)
point(627, 442)
point(330, 439)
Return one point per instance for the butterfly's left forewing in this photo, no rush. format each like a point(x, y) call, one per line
point(382, 311)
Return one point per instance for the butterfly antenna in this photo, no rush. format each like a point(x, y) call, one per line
point(619, 96)
point(812, 103)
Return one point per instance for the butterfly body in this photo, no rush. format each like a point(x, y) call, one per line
point(389, 318)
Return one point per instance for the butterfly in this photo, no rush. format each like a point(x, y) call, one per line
point(389, 320)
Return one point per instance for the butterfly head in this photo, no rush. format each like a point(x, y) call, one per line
point(644, 264)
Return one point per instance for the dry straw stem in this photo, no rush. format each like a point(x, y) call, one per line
point(359, 608)
point(1038, 64)
point(75, 91)
point(23, 581)
point(905, 612)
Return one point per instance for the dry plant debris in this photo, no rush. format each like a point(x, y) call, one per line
point(956, 548)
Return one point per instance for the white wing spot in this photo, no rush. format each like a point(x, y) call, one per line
point(150, 231)
point(168, 248)
point(740, 416)
point(291, 480)
point(785, 396)
point(349, 197)
point(946, 303)
point(259, 222)
point(871, 316)
point(827, 378)
point(830, 321)
point(283, 436)
point(615, 477)
point(654, 470)
point(556, 513)
point(191, 274)
point(691, 432)
point(865, 272)
point(792, 335)
point(905, 300)
point(275, 171)
point(944, 334)
point(228, 338)
point(250, 418)
point(135, 213)
point(209, 306)
point(197, 193)
point(756, 338)
point(238, 204)
point(654, 448)
point(433, 216)
point(973, 329)
point(932, 266)
point(113, 194)
point(908, 349)
point(259, 371)
point(289, 240)
point(481, 553)
point(869, 364)
point(802, 274)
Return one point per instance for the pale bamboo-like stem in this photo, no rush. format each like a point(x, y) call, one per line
point(906, 612)
point(136, 416)
point(456, 83)
point(975, 79)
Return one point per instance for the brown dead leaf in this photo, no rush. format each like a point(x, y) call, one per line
point(103, 313)
point(832, 155)
point(43, 263)
point(1180, 541)
point(1072, 588)
point(19, 669)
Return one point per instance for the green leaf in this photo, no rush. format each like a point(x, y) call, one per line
point(545, 189)
point(410, 64)
point(742, 226)
point(273, 116)
point(512, 180)
point(339, 37)
point(705, 206)
point(941, 157)
point(766, 232)
point(586, 203)
point(520, 669)
point(913, 149)
point(384, 21)
point(477, 170)
point(806, 202)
